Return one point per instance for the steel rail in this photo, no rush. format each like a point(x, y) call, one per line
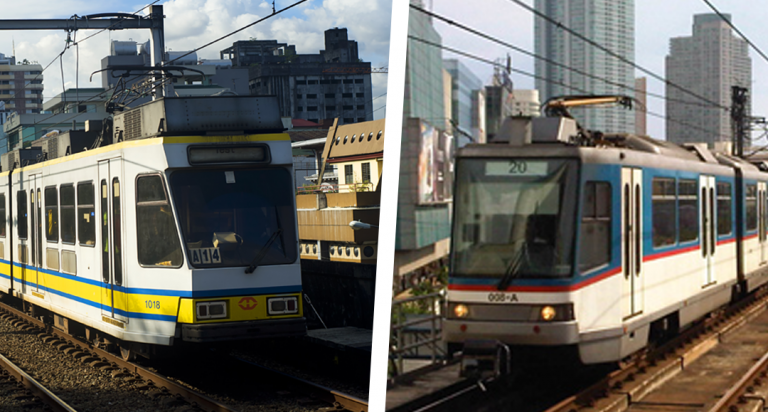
point(196, 399)
point(40, 391)
point(731, 398)
point(320, 392)
point(673, 355)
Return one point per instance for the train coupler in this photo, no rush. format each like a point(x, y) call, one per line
point(484, 359)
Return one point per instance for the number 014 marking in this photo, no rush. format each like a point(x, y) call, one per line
point(206, 255)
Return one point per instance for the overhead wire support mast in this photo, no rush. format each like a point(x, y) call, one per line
point(104, 21)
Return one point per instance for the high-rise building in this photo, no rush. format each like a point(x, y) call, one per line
point(708, 64)
point(21, 85)
point(332, 83)
point(641, 106)
point(464, 114)
point(610, 23)
point(423, 71)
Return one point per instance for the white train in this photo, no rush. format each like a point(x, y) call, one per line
point(179, 225)
point(598, 246)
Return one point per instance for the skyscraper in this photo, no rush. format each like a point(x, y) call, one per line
point(610, 23)
point(708, 64)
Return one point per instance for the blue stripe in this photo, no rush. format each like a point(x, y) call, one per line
point(143, 291)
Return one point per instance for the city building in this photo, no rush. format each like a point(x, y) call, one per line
point(641, 106)
point(21, 85)
point(199, 77)
point(526, 103)
point(615, 32)
point(423, 212)
point(708, 63)
point(465, 115)
point(333, 83)
point(339, 225)
point(65, 111)
point(423, 94)
point(498, 106)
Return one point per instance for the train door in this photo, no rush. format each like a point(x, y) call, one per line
point(708, 228)
point(36, 230)
point(762, 217)
point(632, 240)
point(113, 299)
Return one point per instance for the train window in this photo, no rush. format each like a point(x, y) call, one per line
point(116, 235)
point(688, 209)
point(21, 207)
point(86, 214)
point(51, 214)
point(724, 219)
point(234, 223)
point(2, 216)
point(67, 202)
point(595, 239)
point(751, 205)
point(157, 235)
point(663, 211)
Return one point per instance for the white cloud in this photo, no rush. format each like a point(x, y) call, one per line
point(192, 23)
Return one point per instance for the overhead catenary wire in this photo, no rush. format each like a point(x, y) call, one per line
point(102, 94)
point(545, 79)
point(611, 53)
point(539, 57)
point(727, 21)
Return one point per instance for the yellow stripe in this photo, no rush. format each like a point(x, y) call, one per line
point(239, 308)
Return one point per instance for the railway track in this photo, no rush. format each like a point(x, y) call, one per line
point(157, 383)
point(646, 382)
point(25, 392)
point(629, 387)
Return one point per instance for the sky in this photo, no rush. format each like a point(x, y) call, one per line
point(192, 23)
point(656, 21)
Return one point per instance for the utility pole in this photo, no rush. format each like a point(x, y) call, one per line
point(739, 119)
point(105, 21)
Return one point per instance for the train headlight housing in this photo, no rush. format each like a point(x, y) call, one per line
point(548, 313)
point(284, 305)
point(562, 312)
point(461, 310)
point(211, 310)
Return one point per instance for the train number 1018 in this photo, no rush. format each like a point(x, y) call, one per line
point(152, 304)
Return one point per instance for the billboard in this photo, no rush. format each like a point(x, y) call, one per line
point(435, 165)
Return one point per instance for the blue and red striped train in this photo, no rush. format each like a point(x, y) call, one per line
point(599, 244)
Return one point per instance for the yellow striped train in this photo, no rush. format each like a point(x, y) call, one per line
point(175, 222)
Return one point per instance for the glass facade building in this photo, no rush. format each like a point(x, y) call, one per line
point(610, 23)
point(464, 87)
point(423, 71)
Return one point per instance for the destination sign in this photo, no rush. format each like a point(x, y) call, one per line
point(517, 167)
point(228, 154)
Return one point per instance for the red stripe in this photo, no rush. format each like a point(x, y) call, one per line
point(726, 241)
point(537, 288)
point(670, 253)
point(750, 236)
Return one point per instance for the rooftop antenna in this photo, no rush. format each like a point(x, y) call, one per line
point(273, 6)
point(14, 46)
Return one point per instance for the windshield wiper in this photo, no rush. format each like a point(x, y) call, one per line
point(263, 251)
point(513, 268)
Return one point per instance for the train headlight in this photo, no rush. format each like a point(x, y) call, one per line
point(284, 305)
point(548, 313)
point(211, 310)
point(461, 310)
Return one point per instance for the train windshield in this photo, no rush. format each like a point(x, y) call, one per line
point(514, 218)
point(228, 217)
